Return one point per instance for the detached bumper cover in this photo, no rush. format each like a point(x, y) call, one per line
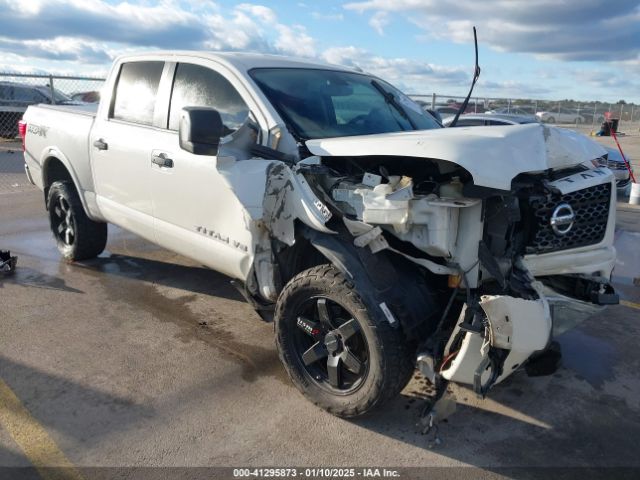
point(520, 327)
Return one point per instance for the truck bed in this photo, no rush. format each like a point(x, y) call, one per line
point(89, 109)
point(61, 131)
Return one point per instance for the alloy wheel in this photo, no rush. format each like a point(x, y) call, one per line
point(63, 221)
point(331, 346)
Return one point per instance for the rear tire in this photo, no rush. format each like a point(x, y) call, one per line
point(371, 360)
point(77, 236)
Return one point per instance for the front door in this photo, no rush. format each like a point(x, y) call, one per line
point(196, 210)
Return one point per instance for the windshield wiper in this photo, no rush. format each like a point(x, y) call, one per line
point(391, 100)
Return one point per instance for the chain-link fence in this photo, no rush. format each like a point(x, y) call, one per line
point(18, 91)
point(587, 115)
point(12, 175)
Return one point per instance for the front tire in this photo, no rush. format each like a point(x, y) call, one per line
point(551, 120)
point(338, 354)
point(77, 236)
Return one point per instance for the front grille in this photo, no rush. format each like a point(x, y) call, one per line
point(591, 209)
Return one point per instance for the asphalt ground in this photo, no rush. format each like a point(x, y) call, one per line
point(142, 358)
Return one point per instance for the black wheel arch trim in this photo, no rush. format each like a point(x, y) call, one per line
point(379, 280)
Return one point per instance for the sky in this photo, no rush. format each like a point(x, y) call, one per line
point(540, 49)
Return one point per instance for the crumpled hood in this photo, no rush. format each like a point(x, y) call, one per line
point(493, 155)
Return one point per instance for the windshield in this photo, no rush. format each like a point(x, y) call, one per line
point(327, 103)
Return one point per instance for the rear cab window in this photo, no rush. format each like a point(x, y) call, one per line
point(136, 92)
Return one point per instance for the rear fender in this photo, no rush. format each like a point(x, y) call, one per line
point(52, 153)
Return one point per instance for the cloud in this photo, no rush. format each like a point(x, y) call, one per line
point(512, 88)
point(408, 74)
point(587, 30)
point(265, 14)
point(295, 41)
point(328, 16)
point(60, 49)
point(420, 77)
point(607, 81)
point(163, 25)
point(378, 21)
point(84, 35)
point(74, 30)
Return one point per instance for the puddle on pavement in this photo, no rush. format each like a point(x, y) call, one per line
point(115, 275)
point(29, 277)
point(590, 357)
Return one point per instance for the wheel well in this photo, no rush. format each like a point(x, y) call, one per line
point(299, 257)
point(381, 278)
point(54, 171)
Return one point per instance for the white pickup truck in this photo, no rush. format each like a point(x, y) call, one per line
point(373, 237)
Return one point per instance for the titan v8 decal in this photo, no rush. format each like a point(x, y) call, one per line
point(222, 238)
point(38, 130)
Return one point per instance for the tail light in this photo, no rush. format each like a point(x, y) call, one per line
point(22, 130)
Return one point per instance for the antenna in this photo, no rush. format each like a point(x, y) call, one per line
point(476, 75)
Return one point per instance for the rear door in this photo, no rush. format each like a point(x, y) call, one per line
point(121, 144)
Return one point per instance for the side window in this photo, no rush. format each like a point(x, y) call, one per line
point(6, 93)
point(497, 122)
point(30, 95)
point(196, 86)
point(136, 92)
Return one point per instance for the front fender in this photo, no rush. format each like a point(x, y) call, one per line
point(288, 197)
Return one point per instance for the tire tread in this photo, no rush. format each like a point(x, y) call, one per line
point(396, 355)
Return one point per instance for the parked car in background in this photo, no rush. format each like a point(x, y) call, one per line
point(426, 106)
point(485, 119)
point(16, 97)
point(87, 97)
point(612, 160)
point(446, 110)
point(560, 115)
point(591, 117)
point(511, 111)
point(617, 165)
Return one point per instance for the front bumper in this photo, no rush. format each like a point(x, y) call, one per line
point(586, 261)
point(520, 327)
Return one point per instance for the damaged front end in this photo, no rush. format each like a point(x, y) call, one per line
point(515, 266)
point(480, 270)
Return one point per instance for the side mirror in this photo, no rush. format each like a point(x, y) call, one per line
point(200, 130)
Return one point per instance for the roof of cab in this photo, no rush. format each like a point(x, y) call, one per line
point(240, 60)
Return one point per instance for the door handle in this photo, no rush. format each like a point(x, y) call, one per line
point(100, 144)
point(162, 160)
